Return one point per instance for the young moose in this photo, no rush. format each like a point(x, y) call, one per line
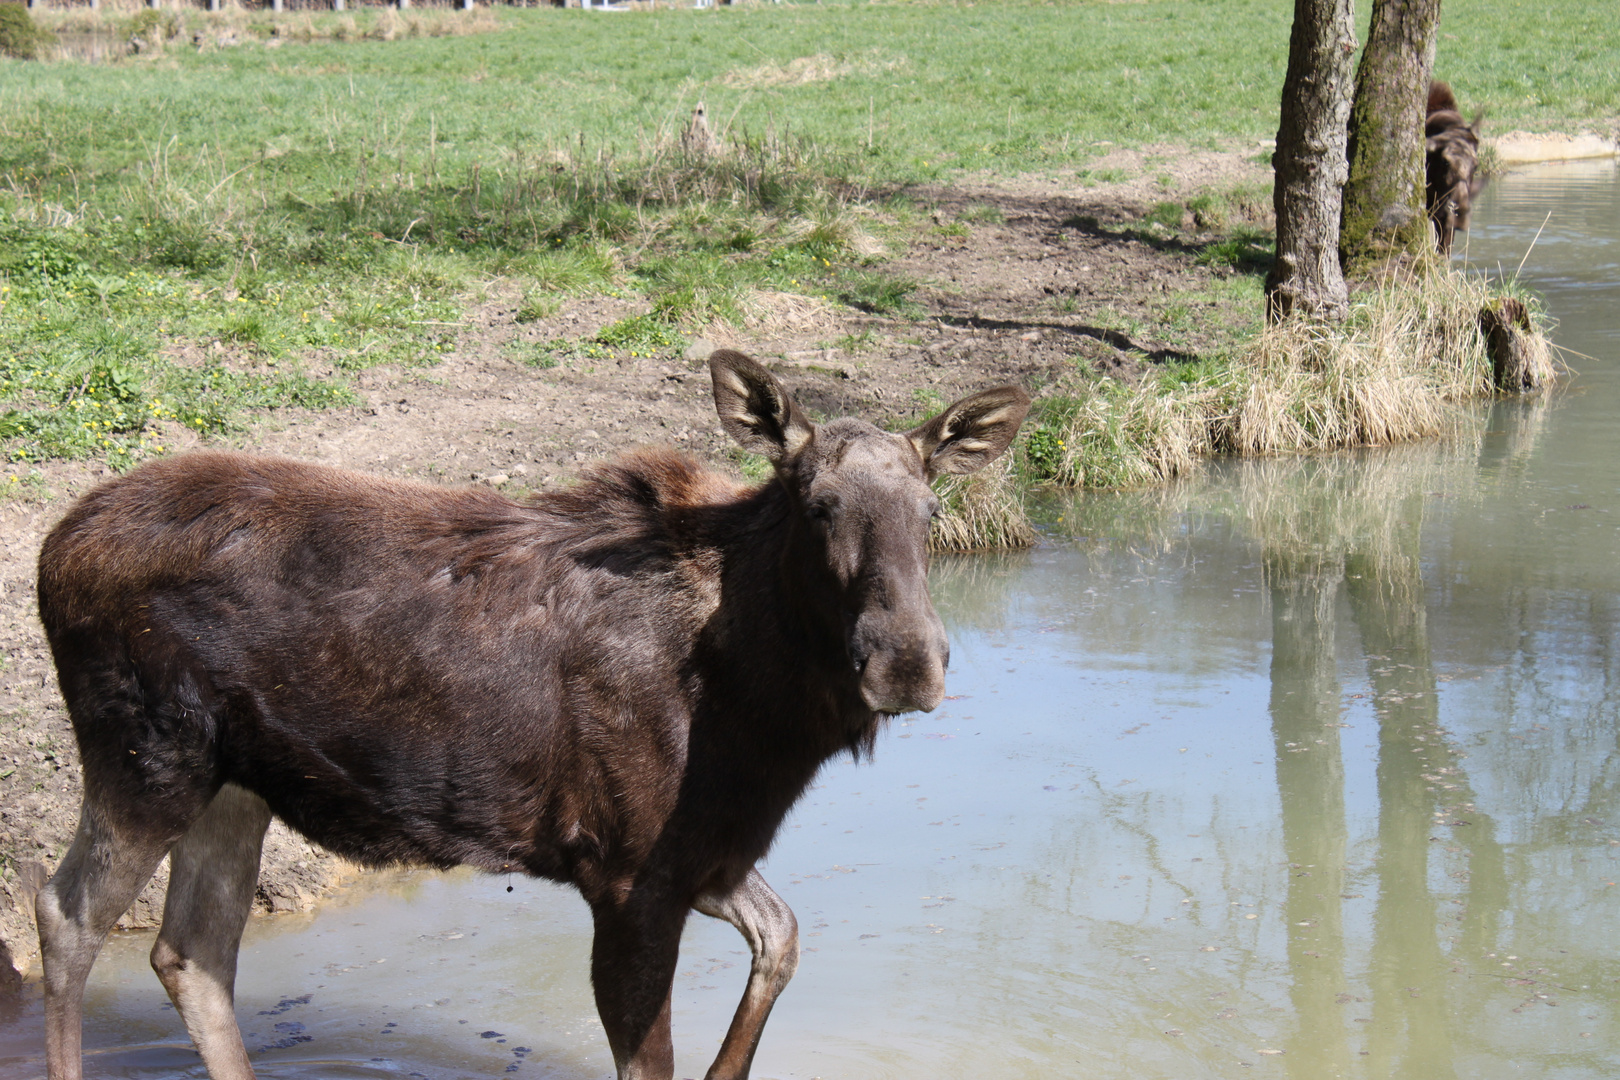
point(1451, 165)
point(623, 686)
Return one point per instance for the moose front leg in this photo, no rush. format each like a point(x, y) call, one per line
point(633, 959)
point(773, 937)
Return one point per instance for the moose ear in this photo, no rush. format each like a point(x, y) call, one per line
point(972, 433)
point(755, 409)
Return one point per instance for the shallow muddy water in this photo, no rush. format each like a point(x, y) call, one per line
point(1306, 769)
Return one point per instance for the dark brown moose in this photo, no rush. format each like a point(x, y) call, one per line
point(624, 686)
point(1452, 165)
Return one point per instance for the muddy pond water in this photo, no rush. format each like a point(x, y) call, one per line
point(1305, 769)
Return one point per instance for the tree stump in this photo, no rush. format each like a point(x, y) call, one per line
point(1519, 359)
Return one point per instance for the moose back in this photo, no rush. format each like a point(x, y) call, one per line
point(623, 686)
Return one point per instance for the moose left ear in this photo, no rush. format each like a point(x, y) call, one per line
point(971, 433)
point(755, 409)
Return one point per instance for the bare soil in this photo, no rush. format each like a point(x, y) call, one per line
point(1016, 299)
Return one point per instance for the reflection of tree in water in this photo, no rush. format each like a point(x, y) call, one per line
point(1342, 536)
point(1147, 521)
point(1518, 423)
point(1356, 521)
point(1310, 782)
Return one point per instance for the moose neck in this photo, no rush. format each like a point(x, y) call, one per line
point(779, 599)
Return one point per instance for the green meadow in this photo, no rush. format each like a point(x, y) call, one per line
point(189, 236)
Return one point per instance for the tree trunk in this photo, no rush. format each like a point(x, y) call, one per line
point(1310, 164)
point(1384, 199)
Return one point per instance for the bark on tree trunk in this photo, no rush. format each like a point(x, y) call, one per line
point(1384, 208)
point(1310, 164)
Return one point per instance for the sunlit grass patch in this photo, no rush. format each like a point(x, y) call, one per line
point(641, 335)
point(878, 292)
point(694, 289)
point(579, 268)
point(1107, 434)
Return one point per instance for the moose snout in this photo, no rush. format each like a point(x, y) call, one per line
point(902, 672)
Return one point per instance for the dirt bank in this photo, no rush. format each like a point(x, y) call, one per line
point(1017, 278)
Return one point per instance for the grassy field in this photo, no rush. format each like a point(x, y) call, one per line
point(331, 197)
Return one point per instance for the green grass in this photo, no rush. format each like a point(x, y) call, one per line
point(240, 228)
point(641, 335)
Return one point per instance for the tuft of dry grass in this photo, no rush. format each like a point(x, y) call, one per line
point(1119, 436)
point(771, 312)
point(836, 224)
point(809, 69)
point(984, 510)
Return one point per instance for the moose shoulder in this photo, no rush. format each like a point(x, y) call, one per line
point(623, 686)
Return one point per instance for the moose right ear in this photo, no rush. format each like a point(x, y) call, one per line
point(755, 409)
point(970, 433)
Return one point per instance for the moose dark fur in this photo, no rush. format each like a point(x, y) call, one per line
point(623, 686)
point(1451, 164)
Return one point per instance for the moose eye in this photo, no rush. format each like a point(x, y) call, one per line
point(819, 512)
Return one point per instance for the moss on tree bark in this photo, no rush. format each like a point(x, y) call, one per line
point(1384, 211)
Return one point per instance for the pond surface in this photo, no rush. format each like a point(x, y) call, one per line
point(1305, 769)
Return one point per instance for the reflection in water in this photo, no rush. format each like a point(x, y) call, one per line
point(1365, 537)
point(1410, 1035)
point(976, 590)
point(1310, 785)
point(1354, 520)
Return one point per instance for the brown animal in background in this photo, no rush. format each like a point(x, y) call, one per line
point(1452, 151)
point(624, 686)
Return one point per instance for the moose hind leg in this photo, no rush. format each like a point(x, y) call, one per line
point(101, 874)
point(772, 932)
point(212, 874)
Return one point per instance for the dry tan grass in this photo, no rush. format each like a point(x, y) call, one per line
point(1114, 436)
point(235, 25)
point(808, 69)
point(982, 511)
point(772, 313)
point(838, 225)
